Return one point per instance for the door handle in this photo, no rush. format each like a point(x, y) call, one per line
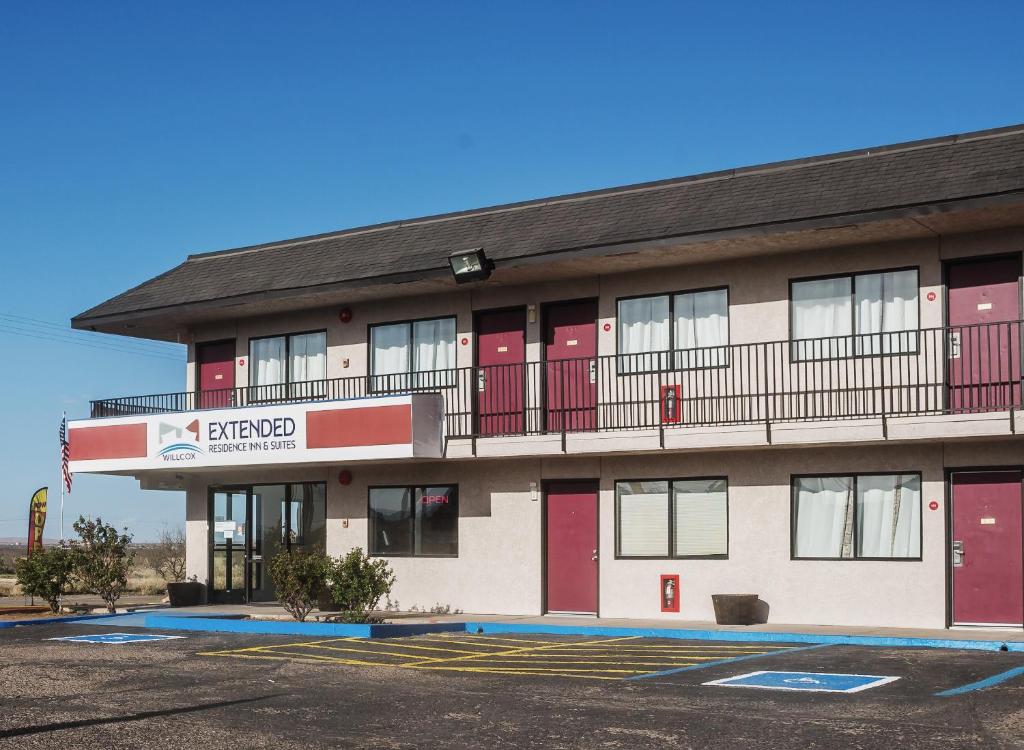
point(954, 344)
point(593, 371)
point(594, 556)
point(481, 380)
point(958, 554)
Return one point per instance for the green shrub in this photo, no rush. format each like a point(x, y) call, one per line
point(102, 559)
point(299, 578)
point(45, 574)
point(358, 583)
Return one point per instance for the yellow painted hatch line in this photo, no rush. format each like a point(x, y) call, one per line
point(517, 651)
point(367, 652)
point(278, 645)
point(506, 661)
point(477, 638)
point(485, 668)
point(521, 672)
point(286, 656)
point(447, 650)
point(541, 658)
point(631, 652)
point(658, 647)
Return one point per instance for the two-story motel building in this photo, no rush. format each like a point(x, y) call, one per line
point(800, 380)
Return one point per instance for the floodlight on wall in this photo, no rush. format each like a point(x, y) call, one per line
point(470, 265)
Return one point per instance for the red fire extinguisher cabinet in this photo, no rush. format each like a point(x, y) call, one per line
point(669, 593)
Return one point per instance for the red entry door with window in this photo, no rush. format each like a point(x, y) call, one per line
point(984, 346)
point(571, 546)
point(570, 366)
point(501, 372)
point(987, 536)
point(216, 369)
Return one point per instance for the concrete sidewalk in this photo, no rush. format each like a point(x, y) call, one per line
point(274, 610)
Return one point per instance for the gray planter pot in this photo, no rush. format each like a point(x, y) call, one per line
point(325, 603)
point(735, 609)
point(186, 593)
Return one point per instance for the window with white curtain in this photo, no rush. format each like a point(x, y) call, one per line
point(886, 312)
point(417, 354)
point(701, 328)
point(268, 366)
point(693, 325)
point(889, 516)
point(293, 366)
point(672, 518)
point(868, 313)
point(644, 333)
point(307, 364)
point(857, 516)
point(700, 517)
point(642, 519)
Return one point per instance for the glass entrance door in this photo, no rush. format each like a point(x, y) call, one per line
point(252, 524)
point(268, 508)
point(229, 511)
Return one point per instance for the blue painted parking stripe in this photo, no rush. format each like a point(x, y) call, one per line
point(730, 660)
point(52, 620)
point(988, 682)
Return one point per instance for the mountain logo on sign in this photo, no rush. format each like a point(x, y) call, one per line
point(177, 441)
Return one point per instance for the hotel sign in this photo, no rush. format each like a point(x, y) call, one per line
point(307, 433)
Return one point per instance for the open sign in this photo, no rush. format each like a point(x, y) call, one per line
point(434, 499)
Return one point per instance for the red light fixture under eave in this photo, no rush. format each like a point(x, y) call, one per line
point(345, 315)
point(345, 477)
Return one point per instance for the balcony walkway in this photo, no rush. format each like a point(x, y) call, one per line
point(931, 384)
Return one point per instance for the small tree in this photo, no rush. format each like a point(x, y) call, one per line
point(102, 558)
point(169, 555)
point(298, 578)
point(45, 573)
point(358, 583)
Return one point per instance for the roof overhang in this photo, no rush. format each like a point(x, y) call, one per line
point(957, 216)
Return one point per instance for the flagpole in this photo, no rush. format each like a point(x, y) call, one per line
point(64, 418)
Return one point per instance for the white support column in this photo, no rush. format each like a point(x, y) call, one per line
point(197, 540)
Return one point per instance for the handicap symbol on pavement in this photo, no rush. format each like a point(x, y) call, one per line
point(115, 638)
point(813, 682)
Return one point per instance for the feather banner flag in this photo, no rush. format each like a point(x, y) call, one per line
point(36, 520)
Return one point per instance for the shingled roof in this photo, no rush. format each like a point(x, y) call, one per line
point(972, 165)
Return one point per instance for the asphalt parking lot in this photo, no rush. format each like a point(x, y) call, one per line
point(491, 690)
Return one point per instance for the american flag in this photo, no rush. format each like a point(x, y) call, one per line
point(65, 453)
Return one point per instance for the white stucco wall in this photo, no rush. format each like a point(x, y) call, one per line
point(499, 566)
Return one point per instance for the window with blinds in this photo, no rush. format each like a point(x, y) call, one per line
point(672, 518)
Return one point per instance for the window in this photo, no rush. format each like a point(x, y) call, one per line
point(417, 354)
point(672, 518)
point(293, 366)
point(698, 333)
point(857, 516)
point(414, 521)
point(868, 313)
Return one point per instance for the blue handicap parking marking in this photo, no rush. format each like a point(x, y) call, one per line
point(813, 682)
point(115, 638)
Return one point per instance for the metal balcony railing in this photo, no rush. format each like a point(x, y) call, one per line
point(929, 371)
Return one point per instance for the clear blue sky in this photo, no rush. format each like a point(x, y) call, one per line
point(134, 133)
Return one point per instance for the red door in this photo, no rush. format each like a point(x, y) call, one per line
point(988, 570)
point(572, 547)
point(984, 334)
point(501, 371)
point(216, 367)
point(570, 366)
